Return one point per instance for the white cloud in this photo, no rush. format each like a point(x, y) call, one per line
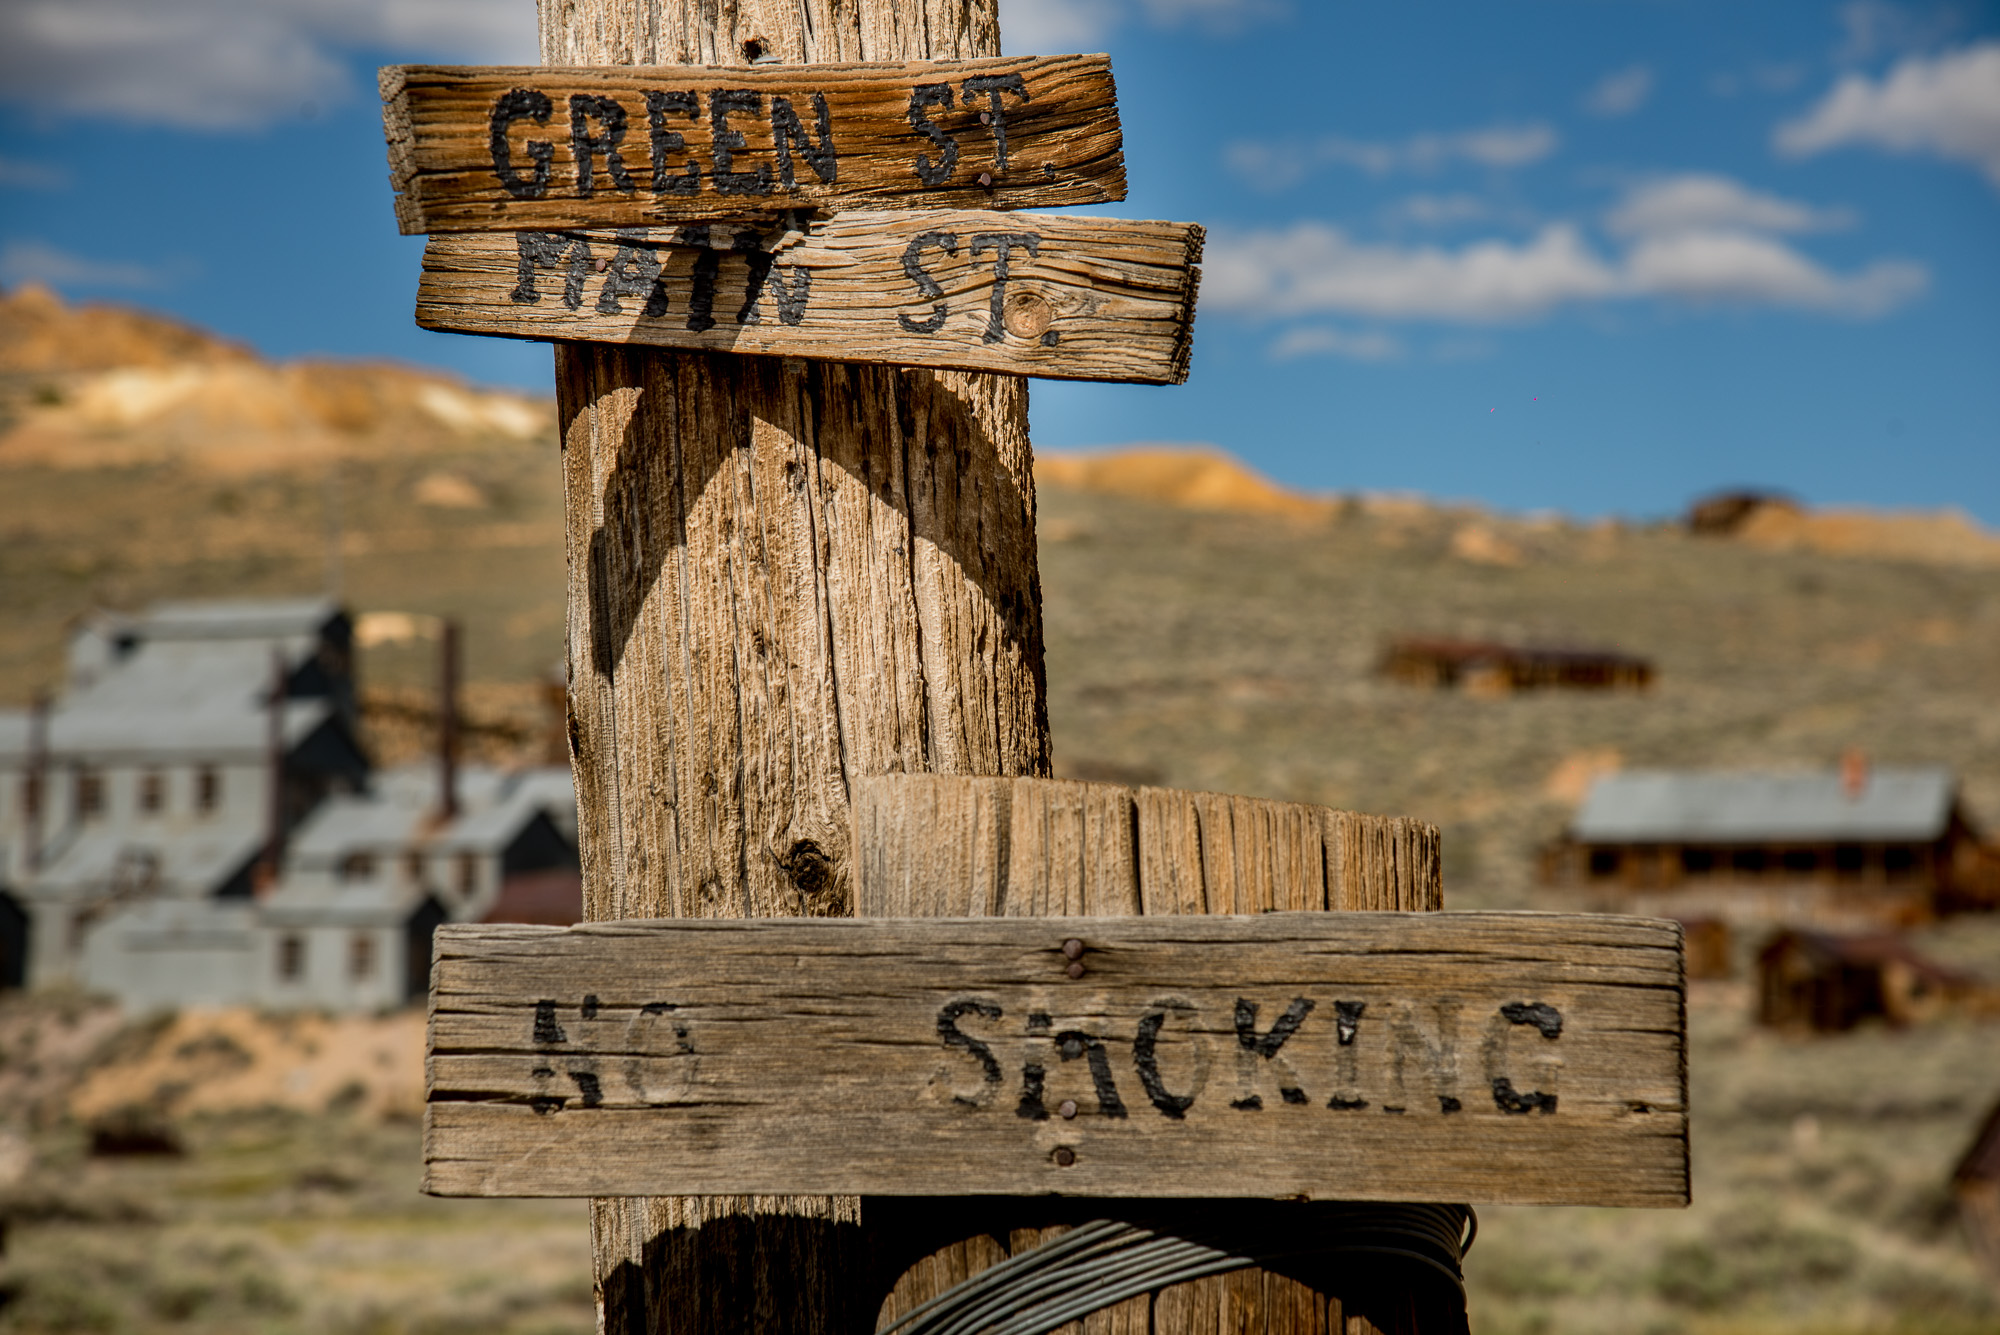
point(1277, 164)
point(230, 64)
point(1311, 268)
point(1742, 268)
point(31, 261)
point(1947, 105)
point(1321, 340)
point(1031, 27)
point(1042, 27)
point(1620, 93)
point(1314, 269)
point(1439, 210)
point(1696, 201)
point(25, 175)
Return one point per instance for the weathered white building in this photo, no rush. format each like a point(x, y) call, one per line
point(173, 832)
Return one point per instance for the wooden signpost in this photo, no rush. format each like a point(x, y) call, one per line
point(806, 682)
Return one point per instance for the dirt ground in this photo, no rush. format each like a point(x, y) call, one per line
point(1201, 648)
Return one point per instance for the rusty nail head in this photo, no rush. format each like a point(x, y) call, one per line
point(985, 118)
point(1072, 949)
point(1065, 1156)
point(600, 265)
point(986, 178)
point(1067, 1108)
point(1074, 971)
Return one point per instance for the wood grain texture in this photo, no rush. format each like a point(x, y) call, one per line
point(1096, 298)
point(506, 148)
point(781, 574)
point(957, 846)
point(1509, 1058)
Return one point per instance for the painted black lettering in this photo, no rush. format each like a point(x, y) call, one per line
point(521, 104)
point(1002, 244)
point(1544, 1017)
point(1074, 1043)
point(1034, 1078)
point(1253, 1046)
point(990, 86)
point(634, 272)
point(707, 264)
point(1250, 1104)
point(913, 268)
point(1447, 1104)
point(545, 1103)
point(932, 95)
point(791, 285)
point(1436, 1056)
point(584, 108)
point(546, 250)
point(1508, 1100)
point(1347, 1067)
point(726, 143)
point(1146, 1056)
point(786, 131)
point(587, 1084)
point(949, 1032)
point(547, 1029)
point(590, 1006)
point(666, 142)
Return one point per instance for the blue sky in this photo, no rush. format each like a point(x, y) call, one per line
point(1569, 254)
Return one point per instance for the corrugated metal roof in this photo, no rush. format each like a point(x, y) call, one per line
point(393, 815)
point(1664, 806)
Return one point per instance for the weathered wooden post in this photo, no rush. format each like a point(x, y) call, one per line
point(803, 595)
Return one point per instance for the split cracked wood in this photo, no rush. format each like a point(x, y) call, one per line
point(1513, 1058)
point(1063, 298)
point(481, 148)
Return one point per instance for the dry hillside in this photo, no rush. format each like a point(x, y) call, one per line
point(1206, 629)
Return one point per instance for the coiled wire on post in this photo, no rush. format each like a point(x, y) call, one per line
point(1106, 1261)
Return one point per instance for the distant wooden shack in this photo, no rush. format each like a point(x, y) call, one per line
point(1854, 846)
point(1976, 1184)
point(1483, 666)
point(1825, 983)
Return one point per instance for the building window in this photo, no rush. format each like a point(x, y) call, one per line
point(357, 866)
point(207, 788)
point(1604, 862)
point(152, 791)
point(413, 867)
point(291, 957)
point(468, 874)
point(1801, 860)
point(31, 795)
point(89, 793)
point(361, 955)
point(1749, 861)
point(1899, 860)
point(1850, 859)
point(1697, 861)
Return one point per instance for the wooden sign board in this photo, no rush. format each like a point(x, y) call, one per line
point(1484, 1057)
point(503, 147)
point(1064, 298)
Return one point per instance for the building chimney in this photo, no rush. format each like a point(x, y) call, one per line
point(274, 762)
point(448, 672)
point(1853, 773)
point(36, 798)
